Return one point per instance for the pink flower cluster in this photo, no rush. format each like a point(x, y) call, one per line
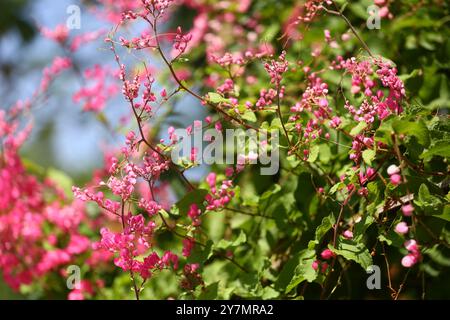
point(39, 227)
point(181, 41)
point(413, 256)
point(133, 242)
point(326, 254)
point(218, 197)
point(58, 65)
point(365, 82)
point(95, 96)
point(275, 69)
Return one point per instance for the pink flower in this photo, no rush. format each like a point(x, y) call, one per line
point(411, 245)
point(380, 2)
point(407, 210)
point(402, 228)
point(345, 37)
point(78, 244)
point(348, 234)
point(383, 12)
point(393, 169)
point(327, 254)
point(396, 179)
point(229, 171)
point(194, 211)
point(323, 103)
point(370, 173)
point(409, 260)
point(59, 34)
point(414, 254)
point(75, 294)
point(211, 180)
point(275, 69)
point(188, 245)
point(193, 156)
point(315, 265)
point(335, 122)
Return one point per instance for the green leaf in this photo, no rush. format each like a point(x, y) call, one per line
point(357, 130)
point(201, 253)
point(62, 180)
point(304, 270)
point(225, 244)
point(414, 128)
point(322, 229)
point(216, 98)
point(445, 215)
point(368, 156)
point(273, 190)
point(276, 124)
point(430, 204)
point(440, 148)
point(392, 239)
point(383, 133)
point(324, 153)
point(210, 292)
point(361, 227)
point(437, 256)
point(351, 250)
point(338, 186)
point(313, 153)
point(249, 116)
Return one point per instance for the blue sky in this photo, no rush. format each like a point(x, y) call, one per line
point(77, 139)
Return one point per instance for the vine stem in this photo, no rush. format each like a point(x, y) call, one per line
point(281, 116)
point(388, 272)
point(335, 228)
point(352, 28)
point(248, 213)
point(187, 89)
point(122, 217)
point(143, 139)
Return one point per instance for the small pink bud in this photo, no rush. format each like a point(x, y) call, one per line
point(370, 173)
point(383, 12)
point(315, 265)
point(411, 245)
point(407, 210)
point(327, 254)
point(409, 260)
point(345, 37)
point(348, 234)
point(229, 171)
point(323, 103)
point(396, 179)
point(401, 228)
point(380, 2)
